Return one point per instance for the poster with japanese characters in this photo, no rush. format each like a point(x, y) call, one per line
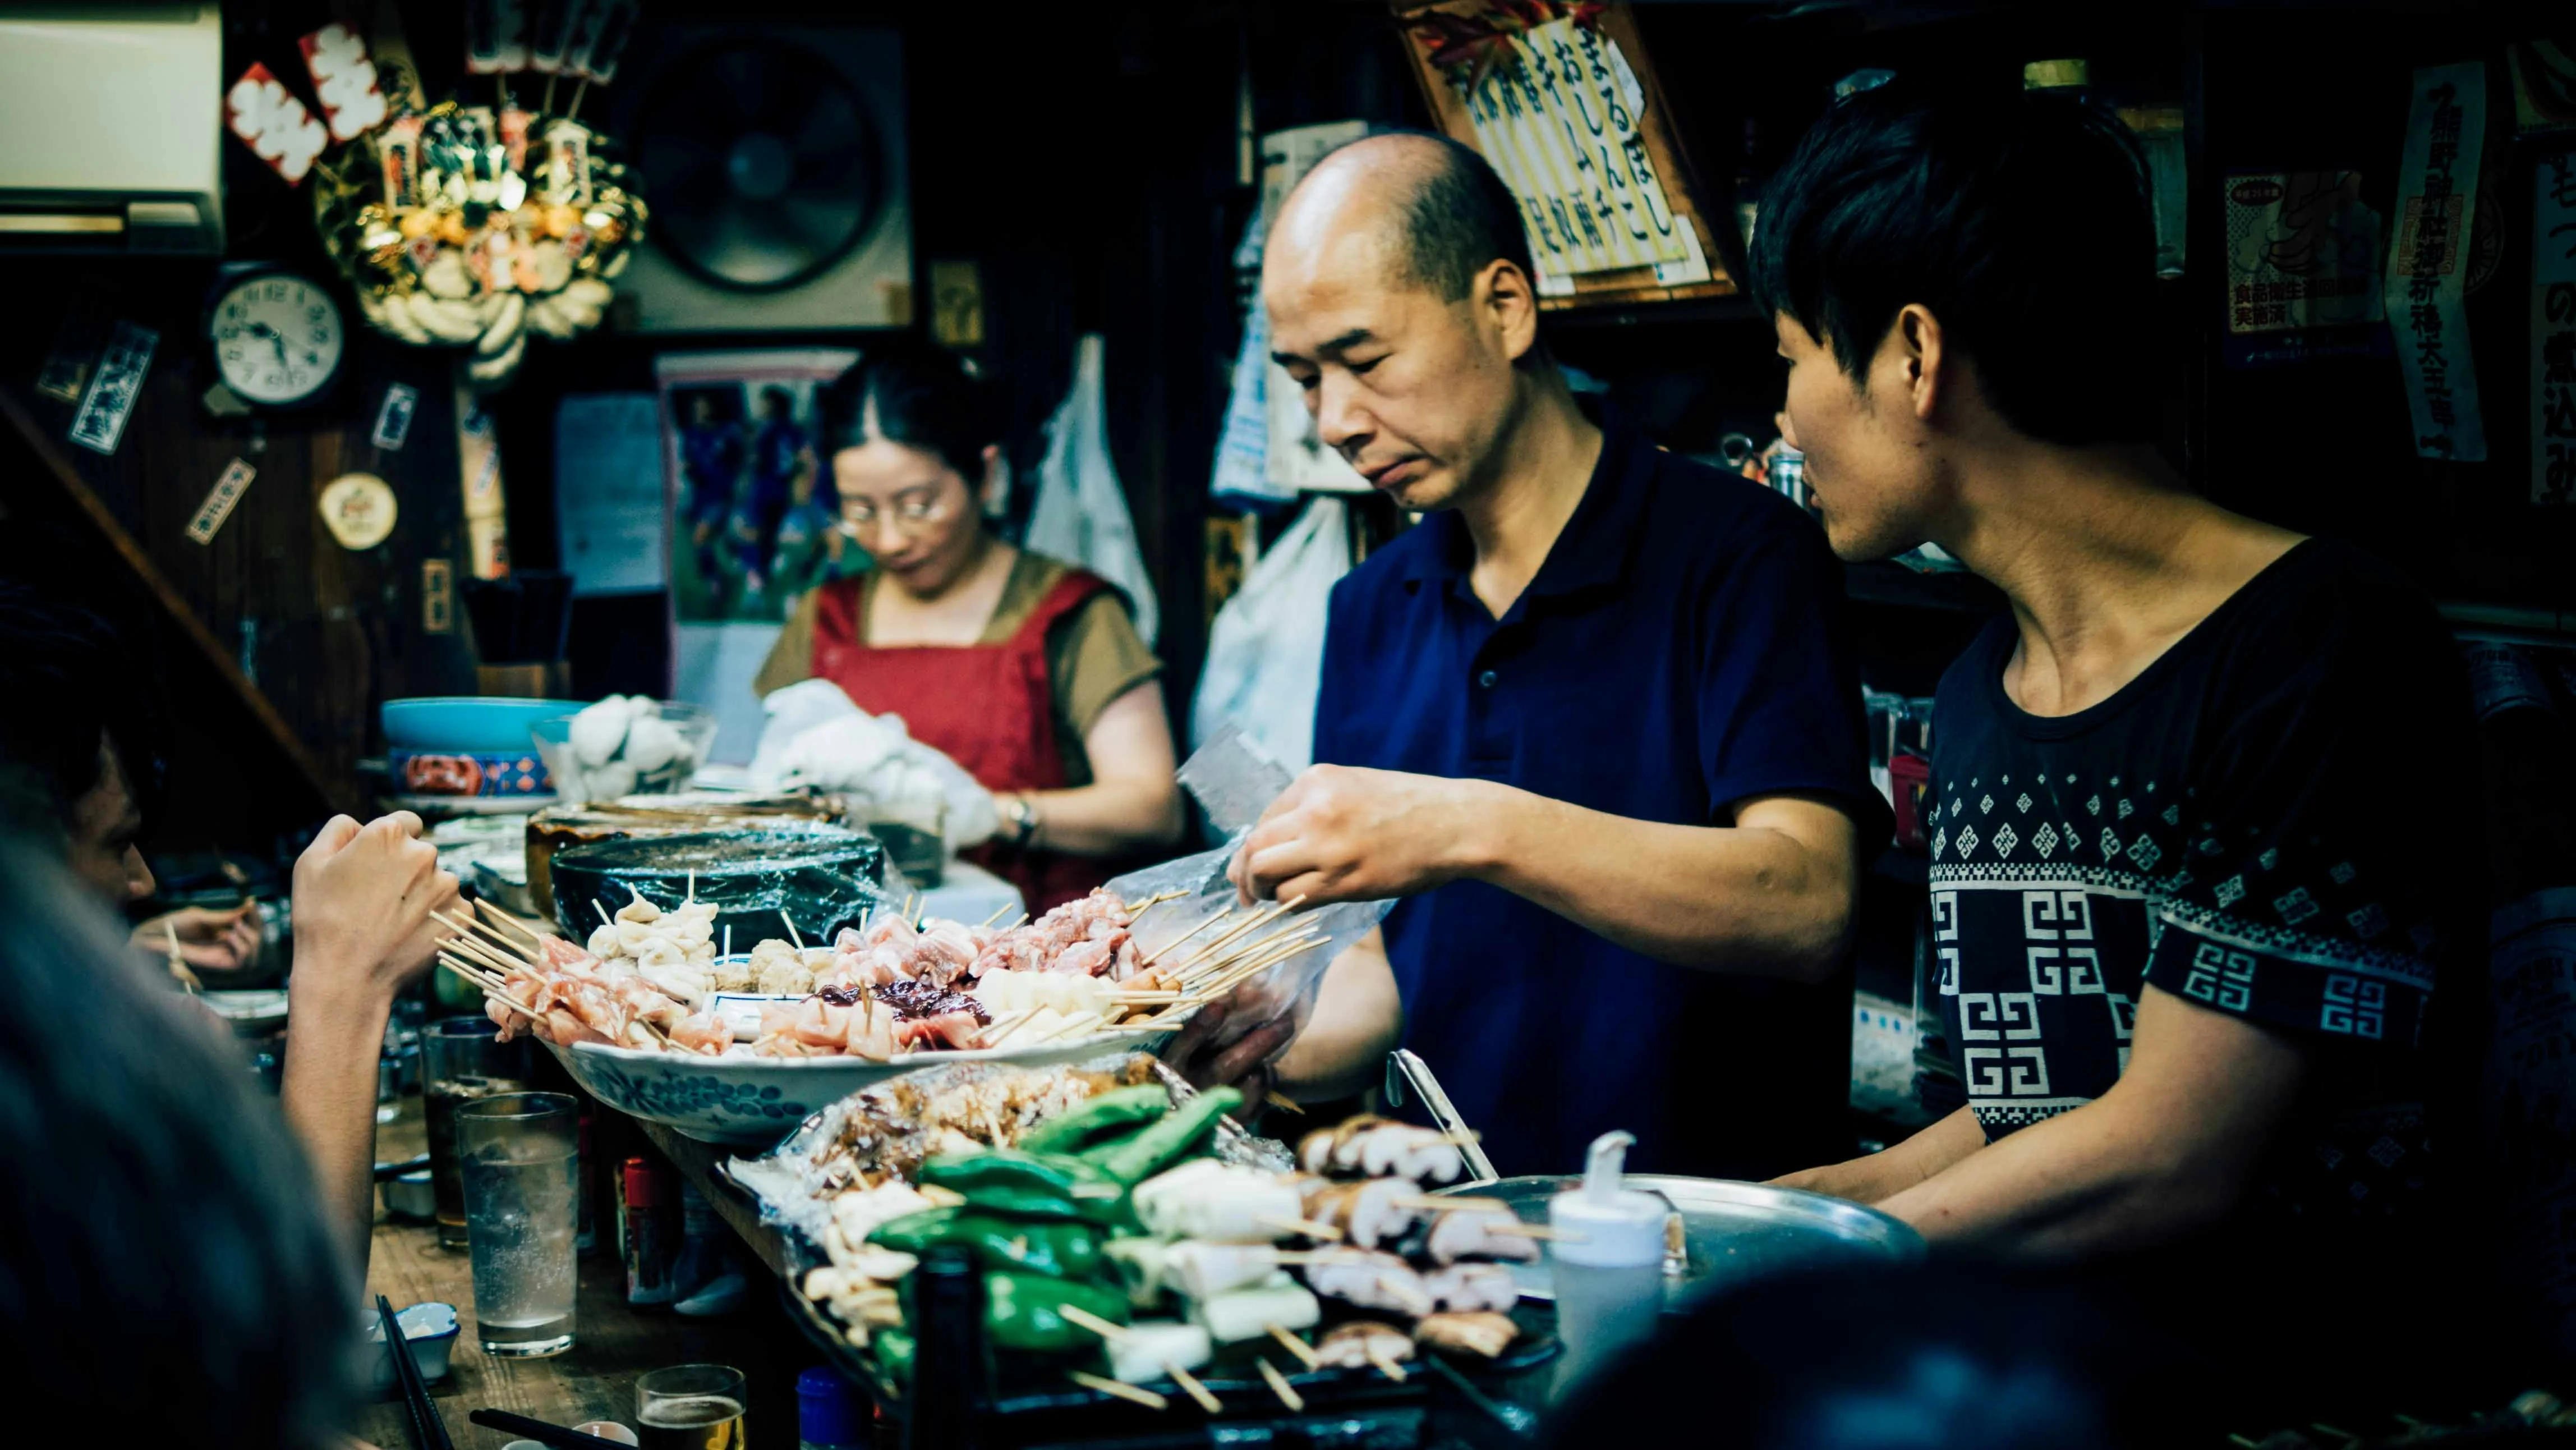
point(2302, 268)
point(1559, 98)
point(2553, 329)
point(2437, 194)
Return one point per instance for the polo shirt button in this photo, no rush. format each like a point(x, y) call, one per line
point(1486, 680)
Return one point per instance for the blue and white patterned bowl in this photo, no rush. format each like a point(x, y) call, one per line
point(745, 1101)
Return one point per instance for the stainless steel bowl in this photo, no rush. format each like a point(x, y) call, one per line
point(1731, 1232)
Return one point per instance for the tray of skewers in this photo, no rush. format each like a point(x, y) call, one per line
point(658, 1018)
point(1140, 1254)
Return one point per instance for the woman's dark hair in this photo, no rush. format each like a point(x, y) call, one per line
point(164, 1278)
point(66, 685)
point(916, 395)
point(2020, 218)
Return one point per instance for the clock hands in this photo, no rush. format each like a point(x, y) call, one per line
point(275, 340)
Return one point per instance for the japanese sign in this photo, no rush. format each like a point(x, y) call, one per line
point(2553, 329)
point(2437, 190)
point(1559, 119)
point(219, 501)
point(2302, 268)
point(113, 386)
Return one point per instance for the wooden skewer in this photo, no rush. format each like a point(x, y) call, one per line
point(1250, 948)
point(999, 1028)
point(1311, 1228)
point(997, 914)
point(1386, 1365)
point(179, 964)
point(1279, 1386)
point(797, 941)
point(1190, 1386)
point(1283, 1104)
point(1085, 1319)
point(1256, 919)
point(1108, 1386)
point(605, 919)
point(1147, 958)
point(471, 928)
point(505, 920)
point(1295, 1346)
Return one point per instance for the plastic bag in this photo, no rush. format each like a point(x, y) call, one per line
point(1081, 512)
point(816, 737)
point(1266, 651)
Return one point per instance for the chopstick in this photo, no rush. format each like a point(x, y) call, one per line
point(543, 1430)
point(429, 1432)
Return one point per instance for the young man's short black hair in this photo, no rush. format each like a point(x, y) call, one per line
point(66, 686)
point(1459, 221)
point(2020, 218)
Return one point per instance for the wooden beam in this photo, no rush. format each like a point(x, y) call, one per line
point(48, 450)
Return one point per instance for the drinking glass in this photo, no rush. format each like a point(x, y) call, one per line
point(690, 1407)
point(462, 1059)
point(520, 1153)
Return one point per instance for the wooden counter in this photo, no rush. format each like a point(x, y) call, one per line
point(595, 1379)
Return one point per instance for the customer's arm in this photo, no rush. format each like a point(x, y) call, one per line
point(364, 897)
point(1133, 803)
point(1884, 1174)
point(2169, 1149)
point(1357, 1020)
point(1771, 894)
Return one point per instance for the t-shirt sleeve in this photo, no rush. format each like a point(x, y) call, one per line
point(1779, 694)
point(1332, 688)
point(2302, 901)
point(1096, 657)
point(791, 656)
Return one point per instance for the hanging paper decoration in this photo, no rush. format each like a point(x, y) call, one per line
point(461, 224)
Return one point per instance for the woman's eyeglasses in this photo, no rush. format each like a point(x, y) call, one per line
point(912, 517)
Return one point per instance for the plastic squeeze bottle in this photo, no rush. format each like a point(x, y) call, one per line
point(1607, 1264)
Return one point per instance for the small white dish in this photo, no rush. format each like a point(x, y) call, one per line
point(430, 1328)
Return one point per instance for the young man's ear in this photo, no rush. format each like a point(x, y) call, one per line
point(1918, 340)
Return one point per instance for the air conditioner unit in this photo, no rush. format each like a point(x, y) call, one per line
point(111, 123)
point(775, 163)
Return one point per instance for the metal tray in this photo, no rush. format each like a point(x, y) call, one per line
point(1732, 1232)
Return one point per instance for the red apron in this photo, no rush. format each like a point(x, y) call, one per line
point(989, 707)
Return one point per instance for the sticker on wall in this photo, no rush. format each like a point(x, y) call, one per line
point(219, 502)
point(114, 384)
point(358, 509)
point(2553, 329)
point(2437, 200)
point(393, 416)
point(437, 596)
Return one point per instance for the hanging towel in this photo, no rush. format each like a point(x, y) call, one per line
point(1081, 512)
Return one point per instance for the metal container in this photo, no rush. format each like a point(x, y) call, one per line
point(823, 877)
point(1731, 1232)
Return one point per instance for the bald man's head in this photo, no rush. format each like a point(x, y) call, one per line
point(1435, 207)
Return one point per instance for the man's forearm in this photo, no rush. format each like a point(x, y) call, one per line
point(2082, 1183)
point(1358, 1019)
point(1745, 899)
point(1884, 1174)
point(328, 1091)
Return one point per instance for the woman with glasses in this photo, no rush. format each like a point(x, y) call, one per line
point(1023, 669)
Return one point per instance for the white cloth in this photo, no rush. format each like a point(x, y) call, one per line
point(1265, 654)
point(1081, 513)
point(817, 737)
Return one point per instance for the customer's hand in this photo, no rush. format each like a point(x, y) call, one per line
point(1227, 1043)
point(209, 941)
point(364, 904)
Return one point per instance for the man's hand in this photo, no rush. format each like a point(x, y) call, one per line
point(364, 898)
point(209, 941)
point(1204, 1052)
point(1345, 834)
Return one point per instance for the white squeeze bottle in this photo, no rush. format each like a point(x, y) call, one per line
point(1608, 1264)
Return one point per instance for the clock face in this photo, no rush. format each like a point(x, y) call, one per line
point(277, 338)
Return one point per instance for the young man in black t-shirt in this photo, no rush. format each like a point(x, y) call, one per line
point(2202, 809)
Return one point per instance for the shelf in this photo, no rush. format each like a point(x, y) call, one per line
point(1880, 582)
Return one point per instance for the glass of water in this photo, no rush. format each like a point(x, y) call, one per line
point(691, 1407)
point(462, 1059)
point(520, 1153)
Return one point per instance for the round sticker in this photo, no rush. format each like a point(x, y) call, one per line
point(358, 509)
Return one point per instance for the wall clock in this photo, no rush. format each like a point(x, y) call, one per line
point(277, 336)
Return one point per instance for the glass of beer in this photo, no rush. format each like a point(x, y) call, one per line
point(520, 1153)
point(462, 1059)
point(690, 1407)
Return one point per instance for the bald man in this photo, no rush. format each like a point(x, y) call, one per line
point(1594, 720)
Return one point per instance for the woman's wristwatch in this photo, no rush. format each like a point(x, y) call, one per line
point(1019, 817)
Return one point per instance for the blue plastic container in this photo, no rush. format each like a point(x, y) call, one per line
point(468, 724)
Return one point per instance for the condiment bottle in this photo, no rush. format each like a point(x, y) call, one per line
point(1607, 1263)
point(649, 1246)
point(950, 1371)
point(830, 1415)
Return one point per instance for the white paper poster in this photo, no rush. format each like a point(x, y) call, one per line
point(2553, 329)
point(609, 518)
point(2437, 194)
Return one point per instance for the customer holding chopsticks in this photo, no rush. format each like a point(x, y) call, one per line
point(2200, 952)
point(1595, 719)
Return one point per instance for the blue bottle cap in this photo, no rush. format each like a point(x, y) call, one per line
point(830, 1411)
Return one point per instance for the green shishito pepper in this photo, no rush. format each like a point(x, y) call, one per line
point(893, 1349)
point(1068, 1250)
point(1028, 1185)
point(1133, 1160)
point(1026, 1312)
point(1109, 1115)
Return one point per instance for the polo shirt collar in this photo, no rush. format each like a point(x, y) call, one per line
point(1597, 542)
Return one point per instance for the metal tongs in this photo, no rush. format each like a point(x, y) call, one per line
point(1406, 1067)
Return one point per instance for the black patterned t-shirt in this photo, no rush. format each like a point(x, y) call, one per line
point(2249, 825)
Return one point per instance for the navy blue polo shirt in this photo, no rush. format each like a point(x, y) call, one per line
point(1681, 649)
